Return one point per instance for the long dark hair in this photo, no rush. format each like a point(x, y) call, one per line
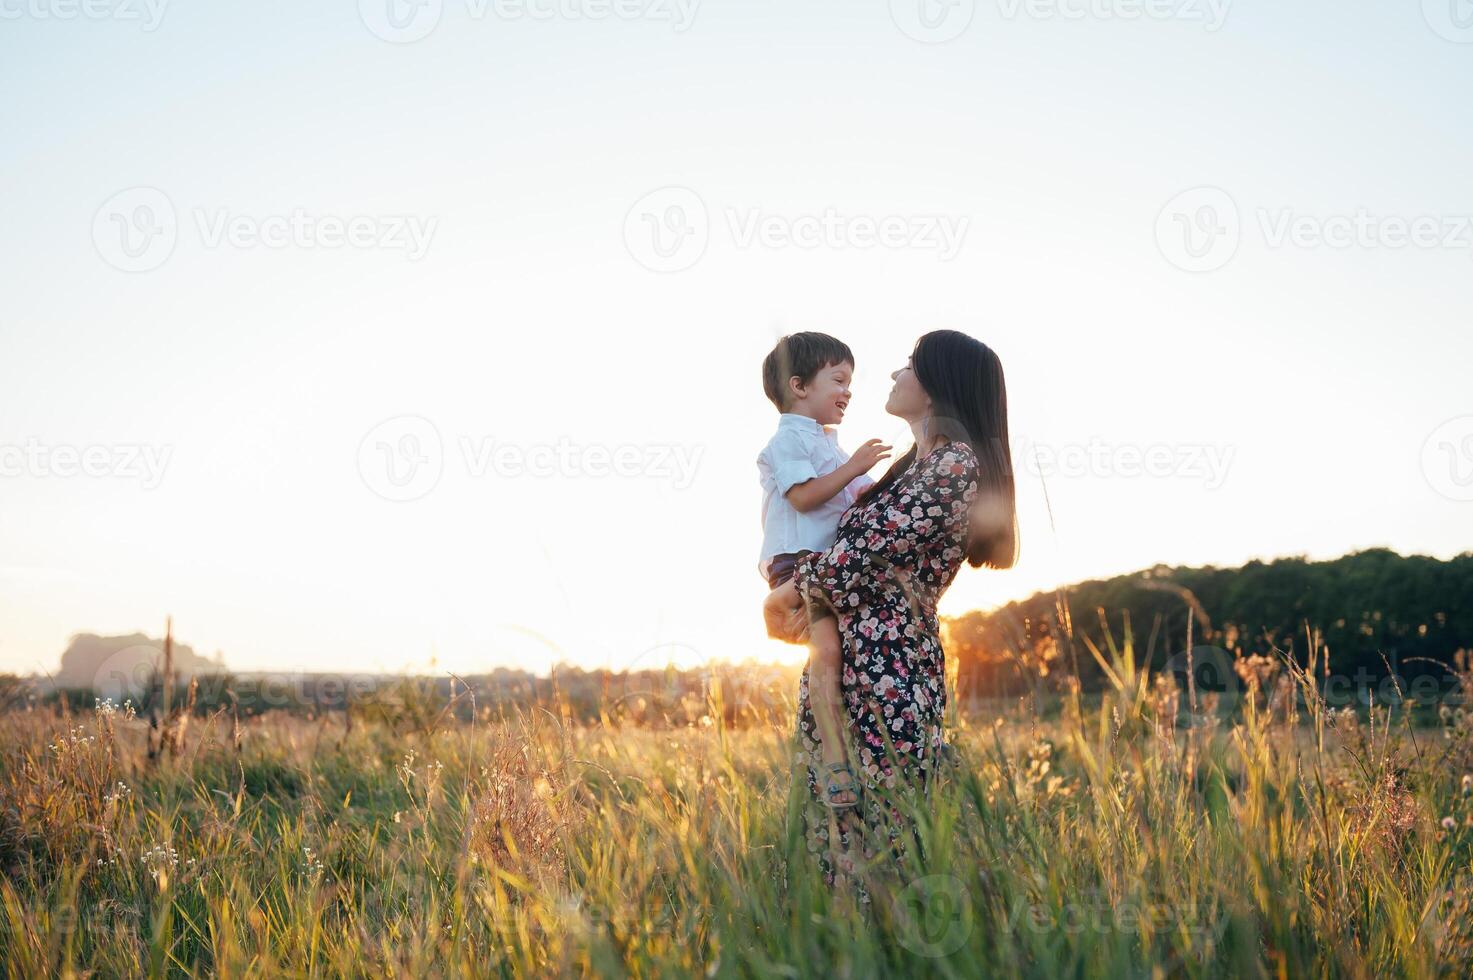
point(969, 403)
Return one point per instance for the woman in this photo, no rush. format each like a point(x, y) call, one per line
point(950, 497)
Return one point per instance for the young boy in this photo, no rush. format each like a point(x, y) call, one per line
point(807, 484)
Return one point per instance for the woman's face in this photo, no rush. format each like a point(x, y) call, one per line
point(908, 400)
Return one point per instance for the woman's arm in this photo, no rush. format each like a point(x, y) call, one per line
point(784, 613)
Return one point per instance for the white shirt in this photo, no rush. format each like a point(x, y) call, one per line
point(800, 451)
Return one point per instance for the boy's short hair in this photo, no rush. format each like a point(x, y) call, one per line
point(800, 355)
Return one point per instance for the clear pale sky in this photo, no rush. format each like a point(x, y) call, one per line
point(527, 149)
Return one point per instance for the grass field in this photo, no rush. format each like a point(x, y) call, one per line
point(1109, 840)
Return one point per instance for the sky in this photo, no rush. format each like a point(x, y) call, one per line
point(428, 337)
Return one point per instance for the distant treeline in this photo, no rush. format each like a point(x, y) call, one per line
point(1367, 610)
point(670, 697)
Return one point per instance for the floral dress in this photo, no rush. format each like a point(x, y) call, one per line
point(894, 556)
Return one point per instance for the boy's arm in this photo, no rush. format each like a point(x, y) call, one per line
point(820, 490)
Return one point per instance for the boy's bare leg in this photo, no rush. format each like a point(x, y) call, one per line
point(824, 693)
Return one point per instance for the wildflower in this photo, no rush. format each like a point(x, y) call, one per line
point(161, 854)
point(1448, 823)
point(75, 738)
point(1467, 783)
point(158, 861)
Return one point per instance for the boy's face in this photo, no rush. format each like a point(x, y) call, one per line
point(825, 398)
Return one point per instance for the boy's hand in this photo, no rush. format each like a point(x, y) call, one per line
point(867, 455)
point(819, 490)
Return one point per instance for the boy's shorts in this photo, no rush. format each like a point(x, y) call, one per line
point(780, 572)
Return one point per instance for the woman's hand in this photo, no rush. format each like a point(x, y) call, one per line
point(785, 615)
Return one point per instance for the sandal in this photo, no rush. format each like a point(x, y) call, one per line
point(834, 788)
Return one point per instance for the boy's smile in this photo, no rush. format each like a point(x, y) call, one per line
point(826, 397)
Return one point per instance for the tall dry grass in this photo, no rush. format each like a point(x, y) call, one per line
point(1111, 840)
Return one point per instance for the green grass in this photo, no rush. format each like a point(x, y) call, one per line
point(1104, 841)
